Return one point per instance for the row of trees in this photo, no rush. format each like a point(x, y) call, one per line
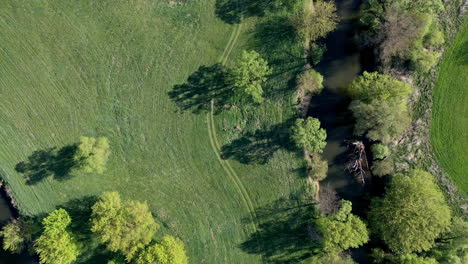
point(127, 228)
point(413, 218)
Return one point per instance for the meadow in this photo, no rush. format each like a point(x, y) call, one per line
point(119, 70)
point(449, 116)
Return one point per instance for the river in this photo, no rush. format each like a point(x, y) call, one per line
point(341, 63)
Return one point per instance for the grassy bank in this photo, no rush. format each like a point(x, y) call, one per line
point(449, 119)
point(90, 68)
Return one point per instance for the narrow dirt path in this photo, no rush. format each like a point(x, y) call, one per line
point(215, 143)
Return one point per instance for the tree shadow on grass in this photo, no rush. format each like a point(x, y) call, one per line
point(49, 162)
point(232, 11)
point(276, 40)
point(285, 232)
point(260, 146)
point(206, 84)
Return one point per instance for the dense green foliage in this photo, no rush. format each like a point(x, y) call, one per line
point(379, 106)
point(92, 154)
point(451, 247)
point(16, 234)
point(56, 244)
point(449, 121)
point(124, 226)
point(169, 250)
point(373, 86)
point(249, 74)
point(379, 151)
point(316, 22)
point(342, 230)
point(307, 134)
point(412, 214)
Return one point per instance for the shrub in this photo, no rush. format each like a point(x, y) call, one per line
point(382, 167)
point(311, 82)
point(379, 151)
point(317, 167)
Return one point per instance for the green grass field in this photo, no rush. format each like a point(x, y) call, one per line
point(450, 112)
point(101, 68)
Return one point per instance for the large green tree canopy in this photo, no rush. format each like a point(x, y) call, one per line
point(56, 244)
point(307, 134)
point(169, 250)
point(249, 75)
point(124, 226)
point(342, 230)
point(379, 106)
point(412, 214)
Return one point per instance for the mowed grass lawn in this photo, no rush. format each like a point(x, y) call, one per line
point(449, 132)
point(105, 68)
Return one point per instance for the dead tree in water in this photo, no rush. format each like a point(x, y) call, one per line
point(357, 164)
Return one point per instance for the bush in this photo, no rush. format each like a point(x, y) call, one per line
point(311, 82)
point(424, 60)
point(382, 167)
point(317, 167)
point(379, 151)
point(434, 38)
point(316, 53)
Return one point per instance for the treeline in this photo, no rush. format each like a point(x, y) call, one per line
point(412, 222)
point(127, 228)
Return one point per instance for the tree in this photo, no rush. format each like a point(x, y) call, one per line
point(379, 151)
point(169, 250)
point(374, 86)
point(310, 82)
point(415, 259)
point(16, 234)
point(412, 214)
point(307, 134)
point(342, 230)
point(317, 22)
point(379, 106)
point(451, 247)
point(92, 154)
point(250, 73)
point(56, 244)
point(124, 226)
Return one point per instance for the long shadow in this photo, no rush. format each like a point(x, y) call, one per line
point(260, 146)
point(285, 233)
point(232, 11)
point(54, 162)
point(206, 84)
point(276, 40)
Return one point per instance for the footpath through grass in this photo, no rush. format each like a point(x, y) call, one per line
point(100, 68)
point(449, 136)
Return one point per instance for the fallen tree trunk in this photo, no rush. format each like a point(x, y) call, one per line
point(358, 164)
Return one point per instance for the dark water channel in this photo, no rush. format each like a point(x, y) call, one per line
point(6, 213)
point(341, 63)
